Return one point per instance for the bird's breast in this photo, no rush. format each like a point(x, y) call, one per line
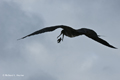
point(71, 34)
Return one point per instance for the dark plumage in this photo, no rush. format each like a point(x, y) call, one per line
point(70, 32)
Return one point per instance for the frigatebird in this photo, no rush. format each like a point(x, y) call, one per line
point(70, 32)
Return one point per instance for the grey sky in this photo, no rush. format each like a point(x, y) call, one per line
point(41, 57)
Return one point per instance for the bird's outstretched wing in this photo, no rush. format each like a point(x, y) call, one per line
point(93, 35)
point(103, 42)
point(47, 29)
point(96, 38)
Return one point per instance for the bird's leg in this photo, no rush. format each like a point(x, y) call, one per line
point(62, 37)
point(59, 35)
point(59, 40)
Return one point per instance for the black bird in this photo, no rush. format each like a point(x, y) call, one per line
point(70, 32)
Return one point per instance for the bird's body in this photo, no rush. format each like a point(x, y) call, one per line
point(70, 32)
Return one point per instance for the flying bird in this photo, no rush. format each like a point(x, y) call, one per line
point(70, 32)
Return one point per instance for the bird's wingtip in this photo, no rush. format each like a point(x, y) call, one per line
point(115, 48)
point(22, 38)
point(19, 39)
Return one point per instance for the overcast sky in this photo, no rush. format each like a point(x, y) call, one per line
point(40, 57)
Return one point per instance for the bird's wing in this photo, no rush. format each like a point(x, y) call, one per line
point(101, 41)
point(93, 35)
point(47, 29)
